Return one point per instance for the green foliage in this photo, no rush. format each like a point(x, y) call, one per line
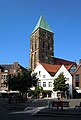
point(60, 83)
point(38, 89)
point(22, 81)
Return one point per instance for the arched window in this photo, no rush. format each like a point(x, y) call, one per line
point(35, 45)
point(48, 46)
point(43, 44)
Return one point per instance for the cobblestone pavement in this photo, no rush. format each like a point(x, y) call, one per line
point(38, 110)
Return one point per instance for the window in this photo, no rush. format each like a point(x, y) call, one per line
point(39, 73)
point(73, 68)
point(4, 76)
point(77, 80)
point(44, 76)
point(67, 79)
point(43, 44)
point(39, 84)
point(50, 84)
point(76, 77)
point(48, 46)
point(32, 47)
point(36, 45)
point(48, 37)
point(3, 85)
point(77, 84)
point(43, 35)
point(44, 84)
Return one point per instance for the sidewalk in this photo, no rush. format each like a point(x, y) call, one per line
point(15, 106)
point(55, 112)
point(41, 108)
point(22, 105)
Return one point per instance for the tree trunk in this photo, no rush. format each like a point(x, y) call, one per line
point(26, 96)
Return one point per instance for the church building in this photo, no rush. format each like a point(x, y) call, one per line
point(44, 63)
point(42, 46)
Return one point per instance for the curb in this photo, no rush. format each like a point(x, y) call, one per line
point(56, 114)
point(68, 112)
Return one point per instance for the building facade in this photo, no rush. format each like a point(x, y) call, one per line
point(47, 73)
point(5, 70)
point(42, 52)
point(42, 46)
point(77, 81)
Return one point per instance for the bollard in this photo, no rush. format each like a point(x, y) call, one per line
point(48, 104)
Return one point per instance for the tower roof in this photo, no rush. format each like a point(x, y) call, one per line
point(42, 24)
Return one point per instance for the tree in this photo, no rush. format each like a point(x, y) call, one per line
point(22, 81)
point(60, 83)
point(38, 91)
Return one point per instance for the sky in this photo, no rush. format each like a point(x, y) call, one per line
point(19, 17)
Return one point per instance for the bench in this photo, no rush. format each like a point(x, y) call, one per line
point(60, 103)
point(78, 106)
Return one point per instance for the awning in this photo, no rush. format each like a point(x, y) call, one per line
point(13, 91)
point(3, 91)
point(78, 91)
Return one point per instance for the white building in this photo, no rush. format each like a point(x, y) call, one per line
point(68, 78)
point(47, 73)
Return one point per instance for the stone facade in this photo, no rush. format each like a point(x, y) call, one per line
point(42, 47)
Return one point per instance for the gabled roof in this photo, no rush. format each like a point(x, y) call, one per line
point(5, 67)
point(51, 68)
point(9, 66)
point(42, 24)
point(54, 68)
point(78, 66)
point(68, 66)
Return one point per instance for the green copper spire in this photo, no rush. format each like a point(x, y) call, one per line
point(42, 24)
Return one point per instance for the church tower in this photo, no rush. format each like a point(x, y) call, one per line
point(41, 44)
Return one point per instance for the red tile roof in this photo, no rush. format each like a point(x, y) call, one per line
point(54, 68)
point(51, 68)
point(68, 66)
point(58, 61)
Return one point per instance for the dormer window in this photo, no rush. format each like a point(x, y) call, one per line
point(5, 70)
point(73, 68)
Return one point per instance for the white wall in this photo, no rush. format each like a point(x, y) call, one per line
point(44, 76)
point(68, 77)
